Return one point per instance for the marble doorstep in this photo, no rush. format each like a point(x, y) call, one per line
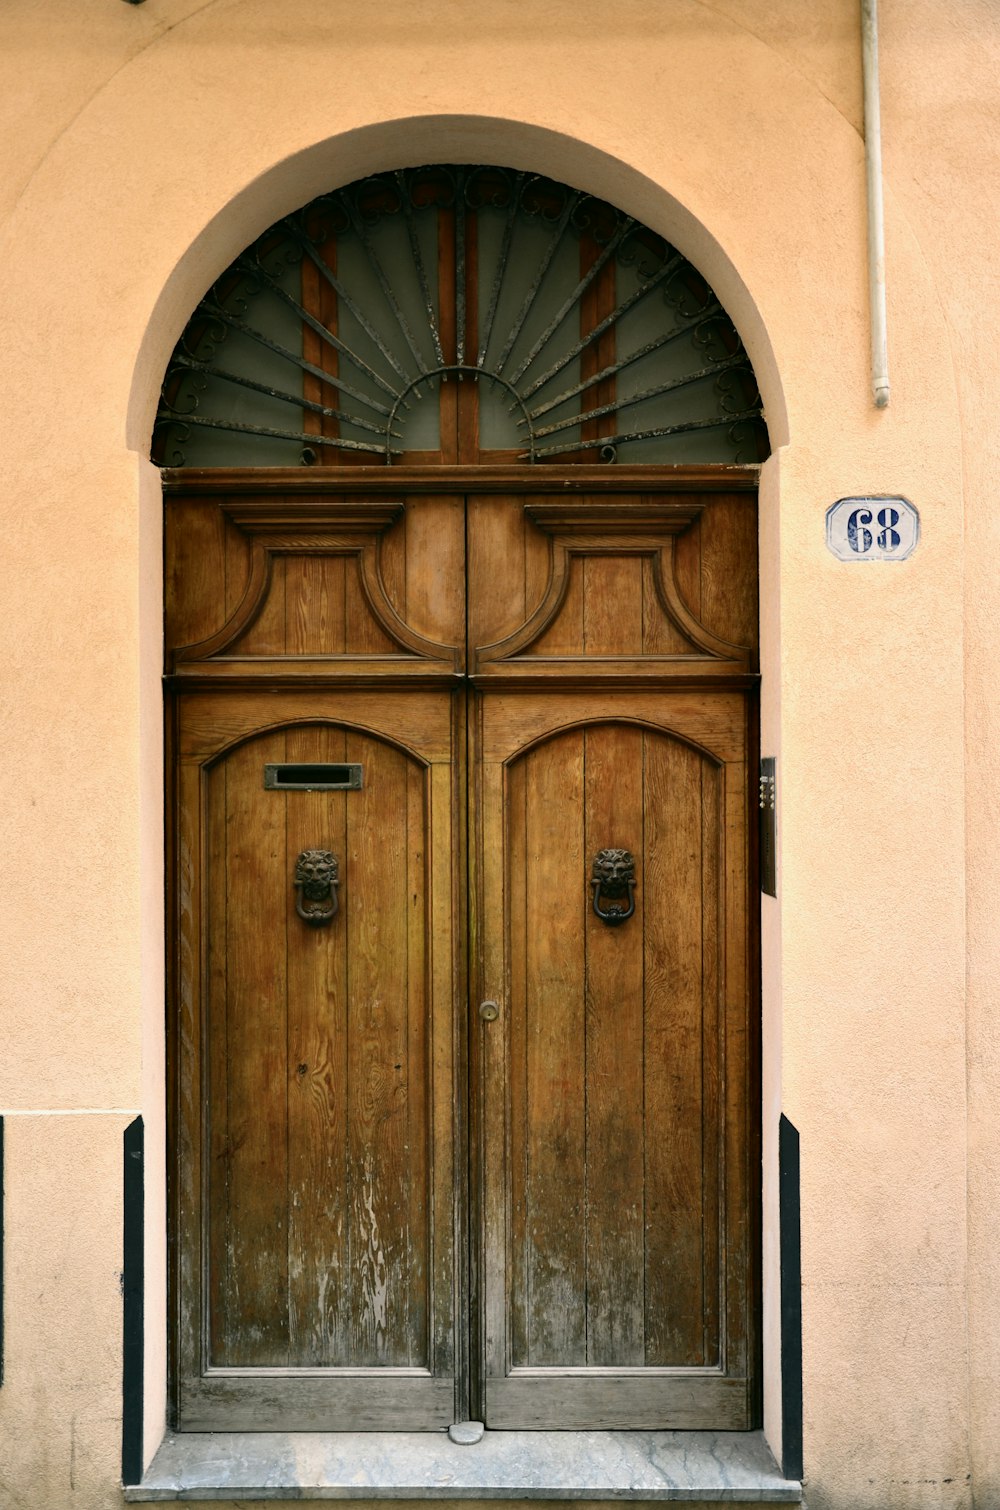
point(699, 1466)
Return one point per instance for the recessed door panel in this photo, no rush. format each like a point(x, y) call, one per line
point(317, 1046)
point(614, 1037)
point(323, 1031)
point(614, 1267)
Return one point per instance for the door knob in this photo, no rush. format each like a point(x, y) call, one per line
point(489, 1011)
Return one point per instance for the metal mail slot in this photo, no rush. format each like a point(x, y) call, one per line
point(312, 778)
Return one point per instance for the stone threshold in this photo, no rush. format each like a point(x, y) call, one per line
point(699, 1467)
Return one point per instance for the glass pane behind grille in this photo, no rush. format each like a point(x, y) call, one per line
point(560, 327)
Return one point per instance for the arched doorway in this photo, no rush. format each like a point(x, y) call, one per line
point(464, 973)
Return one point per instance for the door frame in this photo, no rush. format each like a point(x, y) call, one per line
point(561, 481)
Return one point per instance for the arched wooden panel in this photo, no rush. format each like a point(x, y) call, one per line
point(323, 1251)
point(615, 1155)
point(318, 1201)
point(614, 1054)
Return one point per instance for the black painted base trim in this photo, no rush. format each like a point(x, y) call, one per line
point(1, 1250)
point(791, 1300)
point(133, 1183)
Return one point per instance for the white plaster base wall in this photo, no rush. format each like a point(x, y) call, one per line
point(147, 145)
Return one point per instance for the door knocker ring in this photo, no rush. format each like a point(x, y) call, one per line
point(613, 876)
point(317, 876)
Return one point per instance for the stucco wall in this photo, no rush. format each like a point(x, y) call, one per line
point(145, 147)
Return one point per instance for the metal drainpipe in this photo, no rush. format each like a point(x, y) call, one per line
point(876, 221)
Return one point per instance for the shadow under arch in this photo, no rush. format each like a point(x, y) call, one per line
point(410, 142)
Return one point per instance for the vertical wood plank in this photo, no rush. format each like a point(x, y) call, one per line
point(314, 605)
point(729, 568)
point(365, 636)
point(496, 535)
point(565, 635)
point(494, 882)
point(415, 1152)
point(393, 550)
point(199, 1210)
point(435, 568)
point(236, 567)
point(614, 1067)
point(319, 1271)
point(266, 635)
point(537, 558)
point(612, 605)
point(556, 1194)
point(734, 1112)
point(257, 1070)
point(444, 915)
point(194, 565)
point(716, 1174)
point(659, 636)
point(375, 899)
point(687, 561)
point(673, 1093)
point(215, 1008)
point(517, 954)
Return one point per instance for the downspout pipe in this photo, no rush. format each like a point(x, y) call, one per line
point(876, 220)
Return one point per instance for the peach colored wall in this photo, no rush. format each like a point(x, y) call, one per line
point(143, 148)
point(943, 153)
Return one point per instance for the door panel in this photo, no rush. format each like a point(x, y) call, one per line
point(327, 1056)
point(608, 1258)
point(392, 1212)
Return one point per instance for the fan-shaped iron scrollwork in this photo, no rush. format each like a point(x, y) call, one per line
point(332, 331)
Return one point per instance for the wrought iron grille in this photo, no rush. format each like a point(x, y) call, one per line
point(458, 313)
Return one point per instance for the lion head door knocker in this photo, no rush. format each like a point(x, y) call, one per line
point(613, 877)
point(317, 876)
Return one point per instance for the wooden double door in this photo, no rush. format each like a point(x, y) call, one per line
point(462, 982)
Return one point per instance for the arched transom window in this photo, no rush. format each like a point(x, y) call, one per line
point(458, 314)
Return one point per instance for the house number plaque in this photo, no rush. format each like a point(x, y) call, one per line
point(874, 528)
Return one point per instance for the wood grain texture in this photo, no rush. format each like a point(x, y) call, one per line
point(192, 1144)
point(551, 1268)
point(253, 1202)
point(681, 963)
point(621, 561)
point(409, 1211)
point(556, 1402)
point(378, 1172)
point(325, 1155)
point(576, 478)
point(433, 598)
point(320, 299)
point(613, 1028)
point(194, 569)
point(497, 597)
point(315, 605)
point(618, 1248)
point(319, 1280)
